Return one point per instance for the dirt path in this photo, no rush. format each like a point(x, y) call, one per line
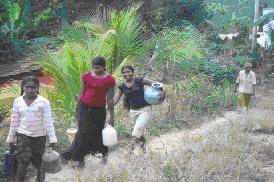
point(262, 109)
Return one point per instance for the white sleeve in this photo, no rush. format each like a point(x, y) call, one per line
point(48, 119)
point(15, 120)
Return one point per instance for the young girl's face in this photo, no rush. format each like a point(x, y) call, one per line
point(98, 70)
point(30, 89)
point(127, 74)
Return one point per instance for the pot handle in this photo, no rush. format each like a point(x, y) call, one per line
point(49, 149)
point(157, 85)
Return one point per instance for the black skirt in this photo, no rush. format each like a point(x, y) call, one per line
point(88, 139)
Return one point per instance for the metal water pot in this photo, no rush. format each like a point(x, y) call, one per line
point(51, 161)
point(152, 93)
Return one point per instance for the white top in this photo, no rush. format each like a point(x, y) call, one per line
point(34, 120)
point(267, 28)
point(246, 81)
point(271, 23)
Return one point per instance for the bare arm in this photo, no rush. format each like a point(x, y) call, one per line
point(117, 97)
point(110, 94)
point(253, 89)
point(253, 85)
point(147, 82)
point(236, 86)
point(237, 83)
point(83, 86)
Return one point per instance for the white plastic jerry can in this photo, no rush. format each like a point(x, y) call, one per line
point(109, 136)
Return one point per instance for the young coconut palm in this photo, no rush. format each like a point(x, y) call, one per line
point(183, 47)
point(119, 42)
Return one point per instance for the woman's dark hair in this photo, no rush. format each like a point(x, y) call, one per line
point(33, 79)
point(127, 67)
point(126, 99)
point(99, 61)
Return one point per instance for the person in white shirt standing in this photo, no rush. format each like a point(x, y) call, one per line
point(31, 122)
point(245, 83)
point(267, 35)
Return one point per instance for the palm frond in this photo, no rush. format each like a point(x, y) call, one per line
point(127, 61)
point(63, 87)
point(190, 85)
point(182, 47)
point(66, 66)
point(92, 28)
point(70, 33)
point(128, 27)
point(107, 48)
point(119, 41)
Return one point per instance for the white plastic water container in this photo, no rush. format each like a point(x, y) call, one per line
point(109, 136)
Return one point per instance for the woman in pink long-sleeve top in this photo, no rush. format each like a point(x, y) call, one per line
point(31, 122)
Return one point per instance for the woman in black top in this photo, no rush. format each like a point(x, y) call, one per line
point(133, 90)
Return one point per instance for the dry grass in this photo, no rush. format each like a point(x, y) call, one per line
point(226, 155)
point(267, 125)
point(229, 152)
point(226, 150)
